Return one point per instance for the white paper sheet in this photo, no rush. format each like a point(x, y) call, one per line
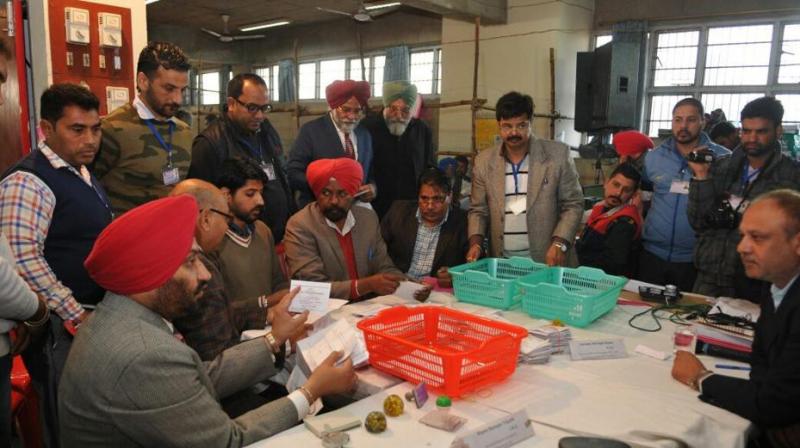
point(339, 336)
point(407, 289)
point(313, 296)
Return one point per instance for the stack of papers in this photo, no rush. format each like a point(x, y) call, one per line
point(339, 336)
point(534, 351)
point(558, 337)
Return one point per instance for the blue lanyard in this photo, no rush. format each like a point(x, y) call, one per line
point(746, 178)
point(515, 171)
point(166, 145)
point(257, 154)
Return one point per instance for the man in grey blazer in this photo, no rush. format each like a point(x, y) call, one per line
point(525, 192)
point(329, 240)
point(129, 381)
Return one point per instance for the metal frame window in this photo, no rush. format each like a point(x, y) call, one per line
point(270, 75)
point(725, 65)
point(209, 85)
point(425, 71)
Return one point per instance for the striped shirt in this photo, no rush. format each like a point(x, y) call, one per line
point(515, 230)
point(425, 247)
point(26, 210)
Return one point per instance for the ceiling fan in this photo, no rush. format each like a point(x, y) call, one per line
point(366, 13)
point(226, 37)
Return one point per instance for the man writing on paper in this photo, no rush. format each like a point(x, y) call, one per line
point(329, 240)
point(427, 236)
point(770, 251)
point(130, 382)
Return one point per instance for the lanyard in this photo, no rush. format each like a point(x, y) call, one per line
point(166, 145)
point(257, 154)
point(746, 178)
point(515, 171)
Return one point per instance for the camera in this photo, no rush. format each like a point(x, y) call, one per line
point(723, 217)
point(700, 156)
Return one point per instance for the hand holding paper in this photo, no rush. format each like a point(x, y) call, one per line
point(284, 325)
point(312, 296)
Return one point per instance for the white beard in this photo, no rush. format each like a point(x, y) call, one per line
point(396, 128)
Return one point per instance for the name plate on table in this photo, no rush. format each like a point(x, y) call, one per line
point(501, 433)
point(597, 349)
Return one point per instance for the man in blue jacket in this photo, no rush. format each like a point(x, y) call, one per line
point(668, 238)
point(335, 134)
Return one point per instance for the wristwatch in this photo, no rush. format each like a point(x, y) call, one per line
point(561, 246)
point(273, 344)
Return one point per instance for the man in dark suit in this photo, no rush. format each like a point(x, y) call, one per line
point(333, 135)
point(770, 251)
point(403, 146)
point(425, 237)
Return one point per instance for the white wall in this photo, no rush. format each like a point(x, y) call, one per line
point(40, 39)
point(514, 56)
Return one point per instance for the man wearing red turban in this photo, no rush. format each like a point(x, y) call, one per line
point(331, 241)
point(631, 145)
point(129, 381)
point(337, 134)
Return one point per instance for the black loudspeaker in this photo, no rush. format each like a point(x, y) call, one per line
point(607, 91)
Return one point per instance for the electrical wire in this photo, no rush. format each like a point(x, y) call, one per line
point(679, 315)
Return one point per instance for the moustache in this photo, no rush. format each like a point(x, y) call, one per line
point(619, 199)
point(514, 139)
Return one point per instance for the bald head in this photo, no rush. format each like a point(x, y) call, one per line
point(212, 222)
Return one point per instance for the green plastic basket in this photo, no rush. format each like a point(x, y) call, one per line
point(576, 297)
point(490, 281)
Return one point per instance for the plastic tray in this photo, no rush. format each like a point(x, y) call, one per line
point(575, 296)
point(491, 281)
point(451, 351)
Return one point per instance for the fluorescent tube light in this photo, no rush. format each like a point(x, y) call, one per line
point(261, 26)
point(382, 5)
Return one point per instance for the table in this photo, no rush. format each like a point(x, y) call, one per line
point(633, 399)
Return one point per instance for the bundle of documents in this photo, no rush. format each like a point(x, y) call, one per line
point(558, 337)
point(338, 336)
point(534, 351)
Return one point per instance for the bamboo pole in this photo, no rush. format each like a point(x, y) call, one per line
point(296, 85)
point(552, 92)
point(475, 105)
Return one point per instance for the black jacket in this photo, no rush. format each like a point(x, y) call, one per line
point(398, 161)
point(219, 142)
point(771, 398)
point(399, 230)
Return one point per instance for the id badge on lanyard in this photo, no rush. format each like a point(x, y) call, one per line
point(170, 174)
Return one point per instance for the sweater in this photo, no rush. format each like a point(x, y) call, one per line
point(17, 301)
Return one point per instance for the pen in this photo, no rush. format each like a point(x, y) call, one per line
point(731, 367)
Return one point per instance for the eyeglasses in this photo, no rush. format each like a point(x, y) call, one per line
point(404, 111)
point(436, 200)
point(253, 108)
point(520, 127)
point(351, 110)
point(228, 217)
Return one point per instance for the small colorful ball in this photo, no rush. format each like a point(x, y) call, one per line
point(376, 422)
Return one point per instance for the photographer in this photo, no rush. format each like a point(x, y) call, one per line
point(720, 192)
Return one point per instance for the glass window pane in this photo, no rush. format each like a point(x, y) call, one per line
point(263, 72)
point(601, 40)
point(439, 74)
point(730, 103)
point(738, 55)
point(210, 85)
point(789, 72)
point(377, 76)
point(355, 69)
point(307, 81)
point(330, 71)
point(661, 112)
point(791, 109)
point(275, 90)
point(422, 71)
point(676, 57)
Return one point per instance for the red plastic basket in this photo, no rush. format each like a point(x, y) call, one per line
point(451, 351)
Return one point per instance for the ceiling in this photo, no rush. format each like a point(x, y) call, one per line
point(206, 13)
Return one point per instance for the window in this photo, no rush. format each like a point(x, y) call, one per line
point(209, 88)
point(601, 40)
point(270, 76)
point(439, 71)
point(425, 71)
point(725, 67)
point(676, 56)
point(790, 55)
point(308, 81)
point(330, 71)
point(355, 72)
point(738, 55)
point(377, 75)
